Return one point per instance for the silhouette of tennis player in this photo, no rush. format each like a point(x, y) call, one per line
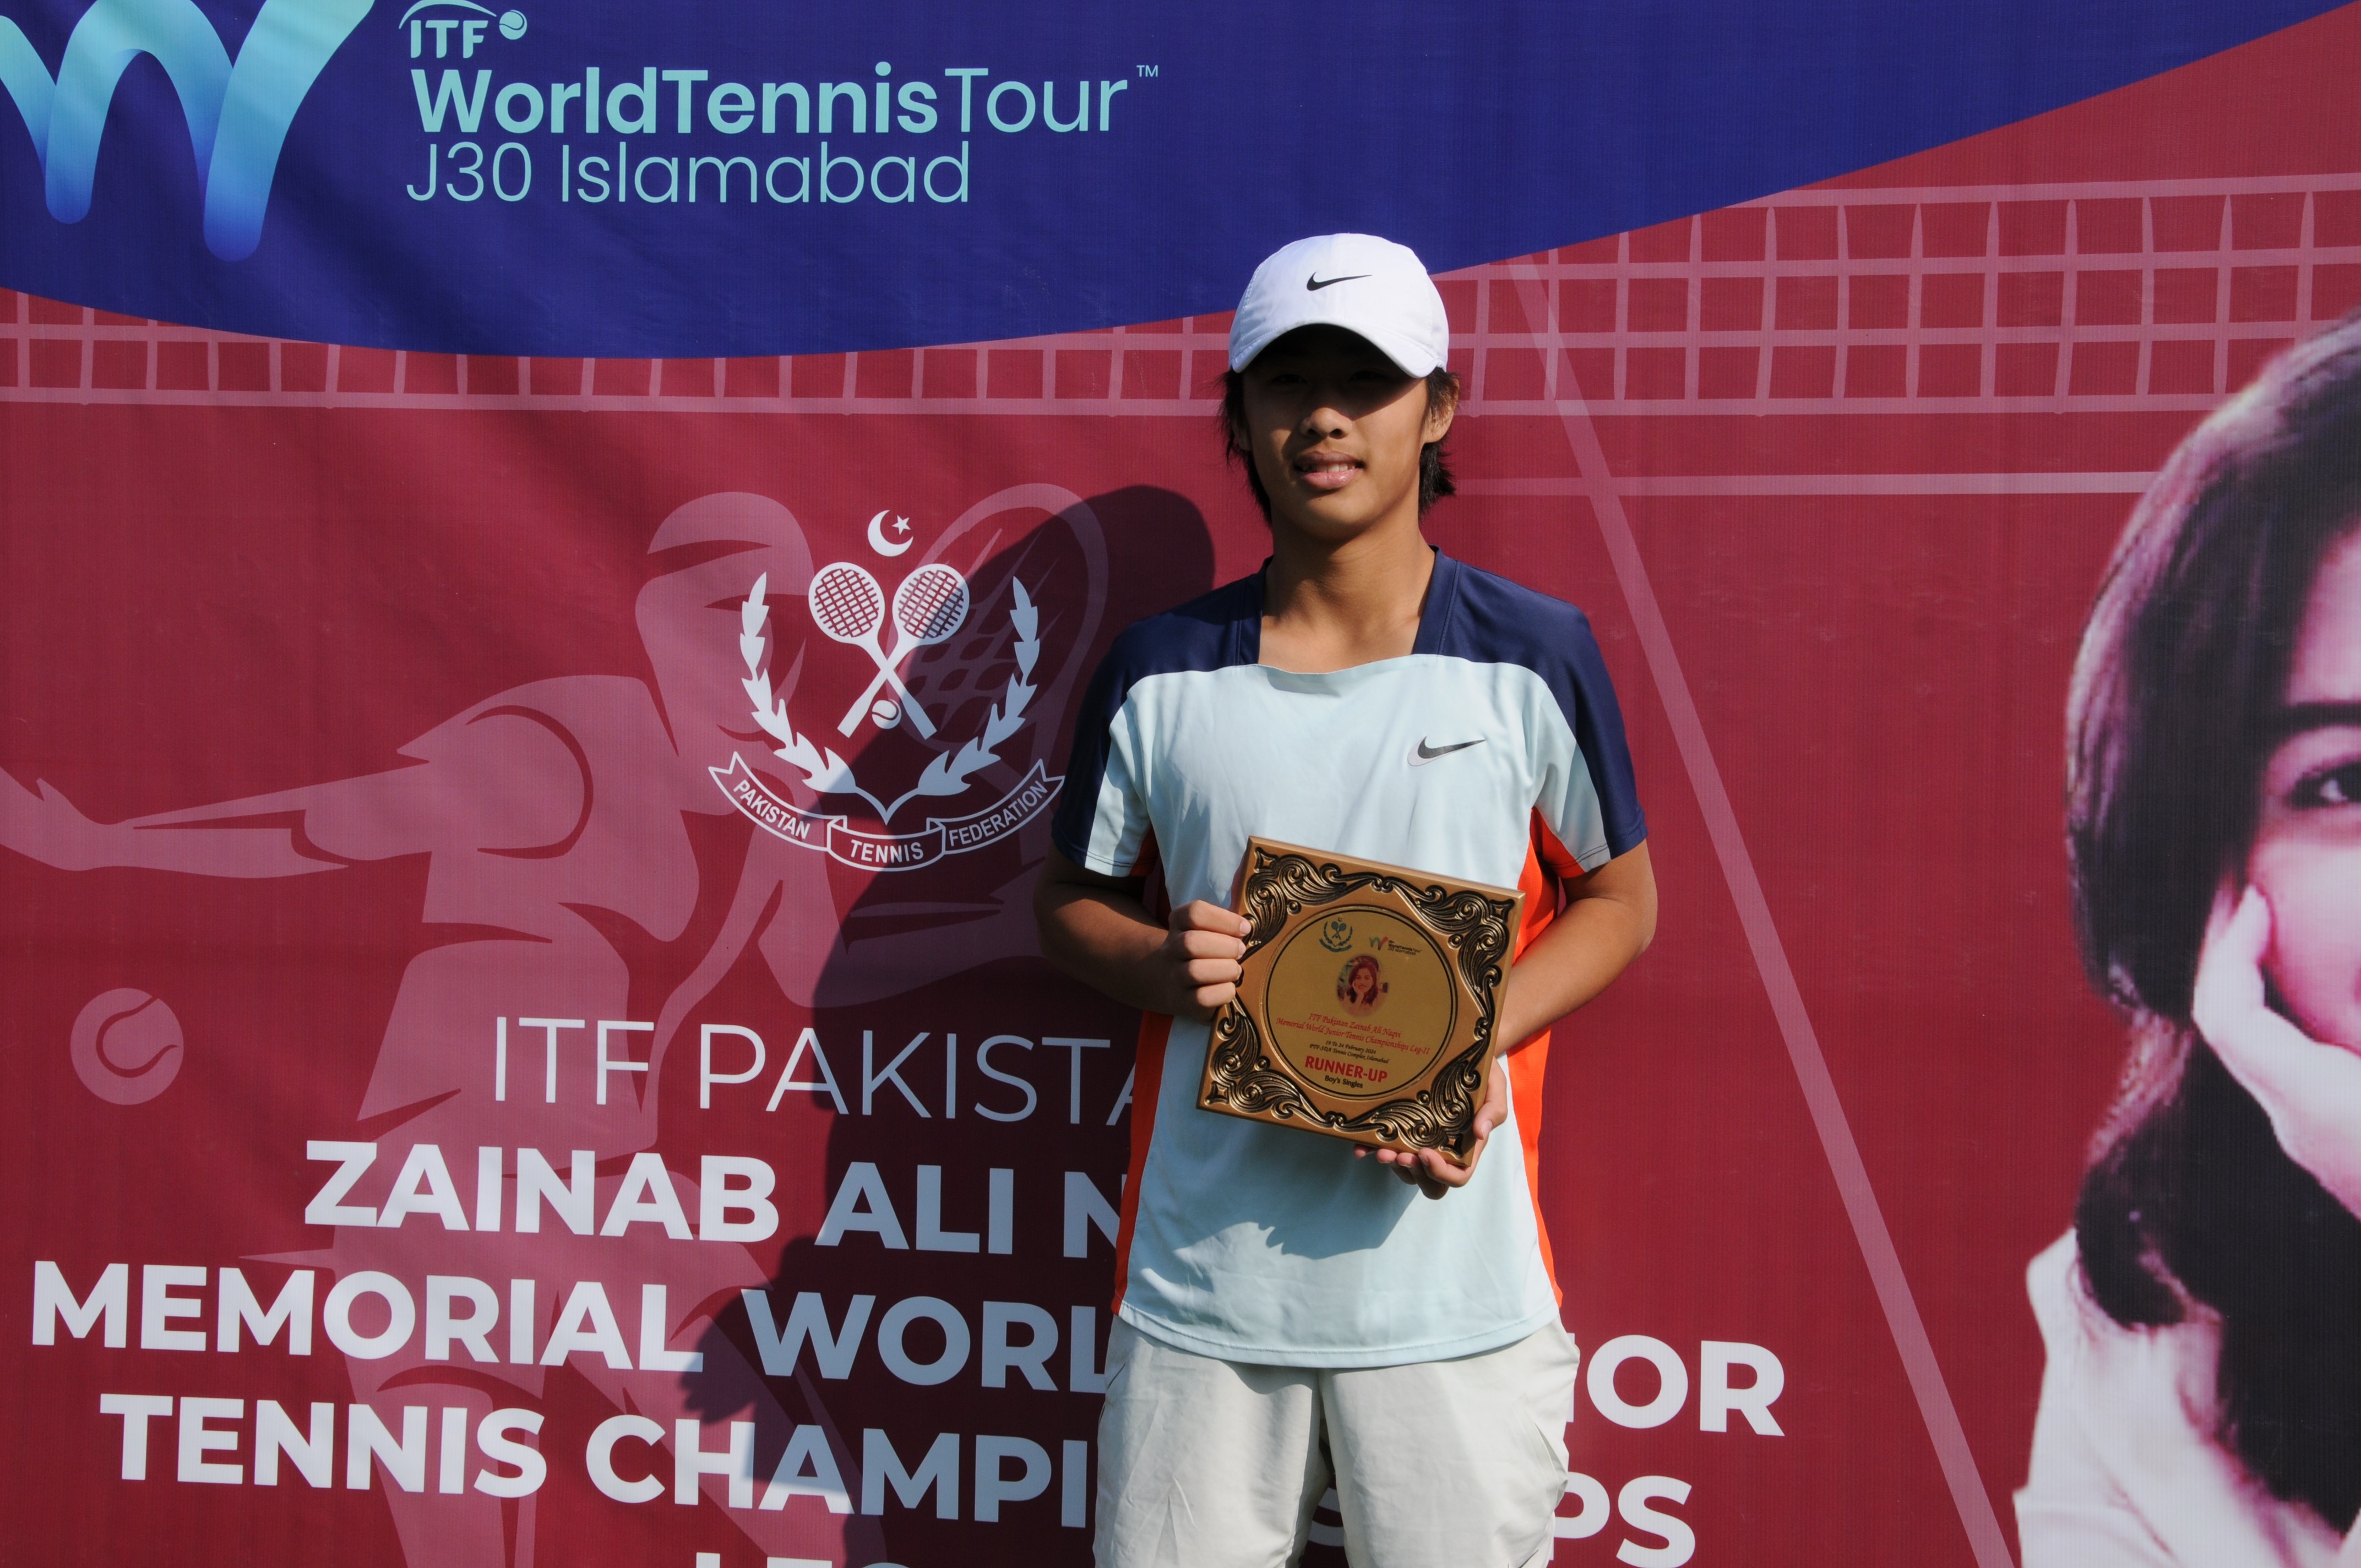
point(554, 819)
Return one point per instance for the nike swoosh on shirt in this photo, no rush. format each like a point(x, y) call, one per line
point(1426, 753)
point(1316, 282)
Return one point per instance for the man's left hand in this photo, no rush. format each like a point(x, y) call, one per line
point(1433, 1172)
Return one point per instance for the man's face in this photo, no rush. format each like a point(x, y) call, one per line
point(1336, 429)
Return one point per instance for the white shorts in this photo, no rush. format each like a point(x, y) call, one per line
point(1211, 1463)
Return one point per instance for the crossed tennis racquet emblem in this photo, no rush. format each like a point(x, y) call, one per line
point(929, 605)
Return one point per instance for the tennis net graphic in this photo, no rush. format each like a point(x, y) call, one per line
point(2145, 295)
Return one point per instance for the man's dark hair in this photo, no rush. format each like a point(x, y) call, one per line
point(1433, 469)
point(2191, 1207)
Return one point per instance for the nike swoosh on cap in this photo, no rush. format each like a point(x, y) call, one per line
point(1426, 753)
point(1315, 282)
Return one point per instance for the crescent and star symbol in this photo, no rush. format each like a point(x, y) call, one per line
point(877, 540)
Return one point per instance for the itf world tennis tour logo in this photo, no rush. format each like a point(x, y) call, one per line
point(238, 111)
point(927, 608)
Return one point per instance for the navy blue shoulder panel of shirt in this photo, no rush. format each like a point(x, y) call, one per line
point(1488, 620)
point(1212, 631)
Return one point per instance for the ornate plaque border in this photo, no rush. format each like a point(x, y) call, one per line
point(1475, 923)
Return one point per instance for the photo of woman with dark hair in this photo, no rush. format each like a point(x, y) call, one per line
point(2202, 1398)
point(1360, 987)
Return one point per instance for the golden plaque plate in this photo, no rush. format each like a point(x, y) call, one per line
point(1367, 1004)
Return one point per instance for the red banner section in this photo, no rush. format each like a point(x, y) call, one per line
point(524, 1038)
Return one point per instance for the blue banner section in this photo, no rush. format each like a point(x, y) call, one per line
point(702, 178)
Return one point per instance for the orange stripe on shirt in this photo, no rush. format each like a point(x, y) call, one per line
point(1528, 1061)
point(1147, 1067)
point(1147, 1078)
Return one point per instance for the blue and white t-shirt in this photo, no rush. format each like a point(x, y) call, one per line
point(1492, 752)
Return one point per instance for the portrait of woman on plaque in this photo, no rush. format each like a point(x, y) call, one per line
point(1360, 987)
point(2202, 1403)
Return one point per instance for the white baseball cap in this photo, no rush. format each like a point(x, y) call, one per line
point(1356, 282)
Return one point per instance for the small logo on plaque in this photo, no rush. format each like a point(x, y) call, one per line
point(1338, 935)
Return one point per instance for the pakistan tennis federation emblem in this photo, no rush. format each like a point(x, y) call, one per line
point(928, 607)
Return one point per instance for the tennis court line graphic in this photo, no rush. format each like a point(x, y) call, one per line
point(2103, 298)
point(1888, 1277)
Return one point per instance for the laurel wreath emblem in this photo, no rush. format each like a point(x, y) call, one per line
point(826, 773)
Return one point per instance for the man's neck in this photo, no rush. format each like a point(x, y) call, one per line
point(1333, 604)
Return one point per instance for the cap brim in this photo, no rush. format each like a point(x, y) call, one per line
point(1407, 356)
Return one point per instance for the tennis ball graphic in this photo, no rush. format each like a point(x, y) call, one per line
point(126, 1047)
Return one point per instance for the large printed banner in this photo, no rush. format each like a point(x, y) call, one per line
point(703, 177)
point(523, 1041)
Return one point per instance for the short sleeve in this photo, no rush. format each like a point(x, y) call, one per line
point(1589, 801)
point(1102, 819)
point(1586, 806)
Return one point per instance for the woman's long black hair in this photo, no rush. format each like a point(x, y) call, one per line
point(2190, 1207)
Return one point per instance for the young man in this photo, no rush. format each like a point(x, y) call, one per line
point(1288, 1310)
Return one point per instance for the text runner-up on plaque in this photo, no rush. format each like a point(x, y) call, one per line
point(1369, 1005)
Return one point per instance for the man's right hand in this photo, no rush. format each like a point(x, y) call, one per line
point(1096, 929)
point(1200, 959)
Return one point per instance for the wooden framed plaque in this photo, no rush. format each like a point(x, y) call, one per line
point(1367, 1007)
